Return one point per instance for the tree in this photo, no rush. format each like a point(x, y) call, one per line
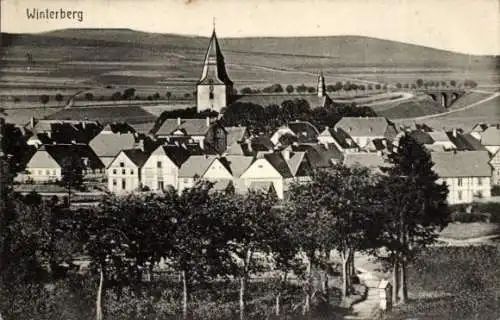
point(129, 93)
point(156, 96)
point(116, 96)
point(453, 83)
point(406, 85)
point(420, 83)
point(71, 174)
point(330, 88)
point(378, 86)
point(301, 88)
point(44, 99)
point(398, 85)
point(59, 97)
point(168, 95)
point(89, 96)
point(370, 87)
point(289, 88)
point(247, 90)
point(411, 209)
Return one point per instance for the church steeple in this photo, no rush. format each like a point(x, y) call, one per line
point(321, 85)
point(214, 89)
point(214, 67)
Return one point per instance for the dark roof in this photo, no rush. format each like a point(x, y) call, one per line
point(214, 70)
point(85, 152)
point(177, 154)
point(118, 128)
point(343, 138)
point(137, 156)
point(461, 164)
point(62, 153)
point(304, 131)
point(367, 126)
point(421, 137)
point(319, 155)
point(279, 163)
point(261, 143)
point(277, 99)
point(108, 144)
point(465, 141)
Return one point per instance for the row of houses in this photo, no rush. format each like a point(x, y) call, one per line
point(178, 152)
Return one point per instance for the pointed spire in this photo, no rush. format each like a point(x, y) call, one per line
point(214, 69)
point(321, 85)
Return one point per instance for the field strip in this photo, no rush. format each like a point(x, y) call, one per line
point(475, 104)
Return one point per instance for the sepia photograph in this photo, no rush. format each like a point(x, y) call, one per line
point(249, 160)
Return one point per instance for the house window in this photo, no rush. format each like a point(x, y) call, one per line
point(124, 184)
point(211, 95)
point(479, 194)
point(160, 185)
point(459, 183)
point(122, 164)
point(47, 172)
point(459, 195)
point(54, 172)
point(123, 171)
point(185, 180)
point(158, 164)
point(114, 171)
point(479, 181)
point(114, 182)
point(131, 171)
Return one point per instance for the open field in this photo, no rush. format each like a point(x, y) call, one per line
point(453, 283)
point(462, 231)
point(86, 60)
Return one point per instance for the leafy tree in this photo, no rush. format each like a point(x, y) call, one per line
point(168, 95)
point(186, 95)
point(247, 90)
point(59, 97)
point(71, 174)
point(330, 88)
point(406, 85)
point(453, 83)
point(116, 96)
point(420, 83)
point(301, 88)
point(347, 86)
point(289, 88)
point(129, 93)
point(44, 99)
point(411, 210)
point(398, 85)
point(311, 89)
point(89, 96)
point(378, 86)
point(370, 87)
point(156, 96)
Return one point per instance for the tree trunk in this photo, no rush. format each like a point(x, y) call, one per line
point(345, 276)
point(278, 304)
point(395, 281)
point(352, 268)
point(99, 296)
point(185, 295)
point(308, 288)
point(403, 290)
point(243, 288)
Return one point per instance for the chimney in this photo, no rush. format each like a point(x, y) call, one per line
point(454, 133)
point(208, 122)
point(178, 121)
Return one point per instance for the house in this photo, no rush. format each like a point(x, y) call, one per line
point(209, 133)
point(111, 140)
point(441, 139)
point(49, 162)
point(341, 139)
point(320, 156)
point(300, 131)
point(194, 168)
point(162, 167)
point(495, 164)
point(234, 138)
point(478, 129)
point(365, 129)
point(490, 139)
point(124, 171)
point(63, 131)
point(464, 141)
point(467, 174)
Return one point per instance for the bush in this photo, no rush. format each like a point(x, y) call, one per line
point(465, 217)
point(495, 191)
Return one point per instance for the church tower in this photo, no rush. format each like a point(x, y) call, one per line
point(214, 88)
point(321, 85)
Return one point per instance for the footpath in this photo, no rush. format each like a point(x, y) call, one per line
point(366, 309)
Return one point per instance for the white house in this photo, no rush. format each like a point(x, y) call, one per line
point(341, 139)
point(124, 172)
point(495, 164)
point(490, 139)
point(162, 167)
point(467, 174)
point(193, 169)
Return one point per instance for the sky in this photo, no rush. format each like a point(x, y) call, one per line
point(468, 26)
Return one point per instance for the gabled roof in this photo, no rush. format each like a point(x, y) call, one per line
point(461, 164)
point(214, 69)
point(366, 126)
point(85, 152)
point(491, 136)
point(137, 156)
point(143, 128)
point(177, 154)
point(304, 131)
point(279, 163)
point(439, 136)
point(108, 144)
point(422, 137)
point(196, 166)
point(319, 155)
point(235, 134)
point(371, 160)
point(344, 140)
point(465, 141)
point(236, 164)
point(61, 153)
point(188, 127)
point(298, 164)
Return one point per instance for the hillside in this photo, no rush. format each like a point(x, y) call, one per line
point(339, 50)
